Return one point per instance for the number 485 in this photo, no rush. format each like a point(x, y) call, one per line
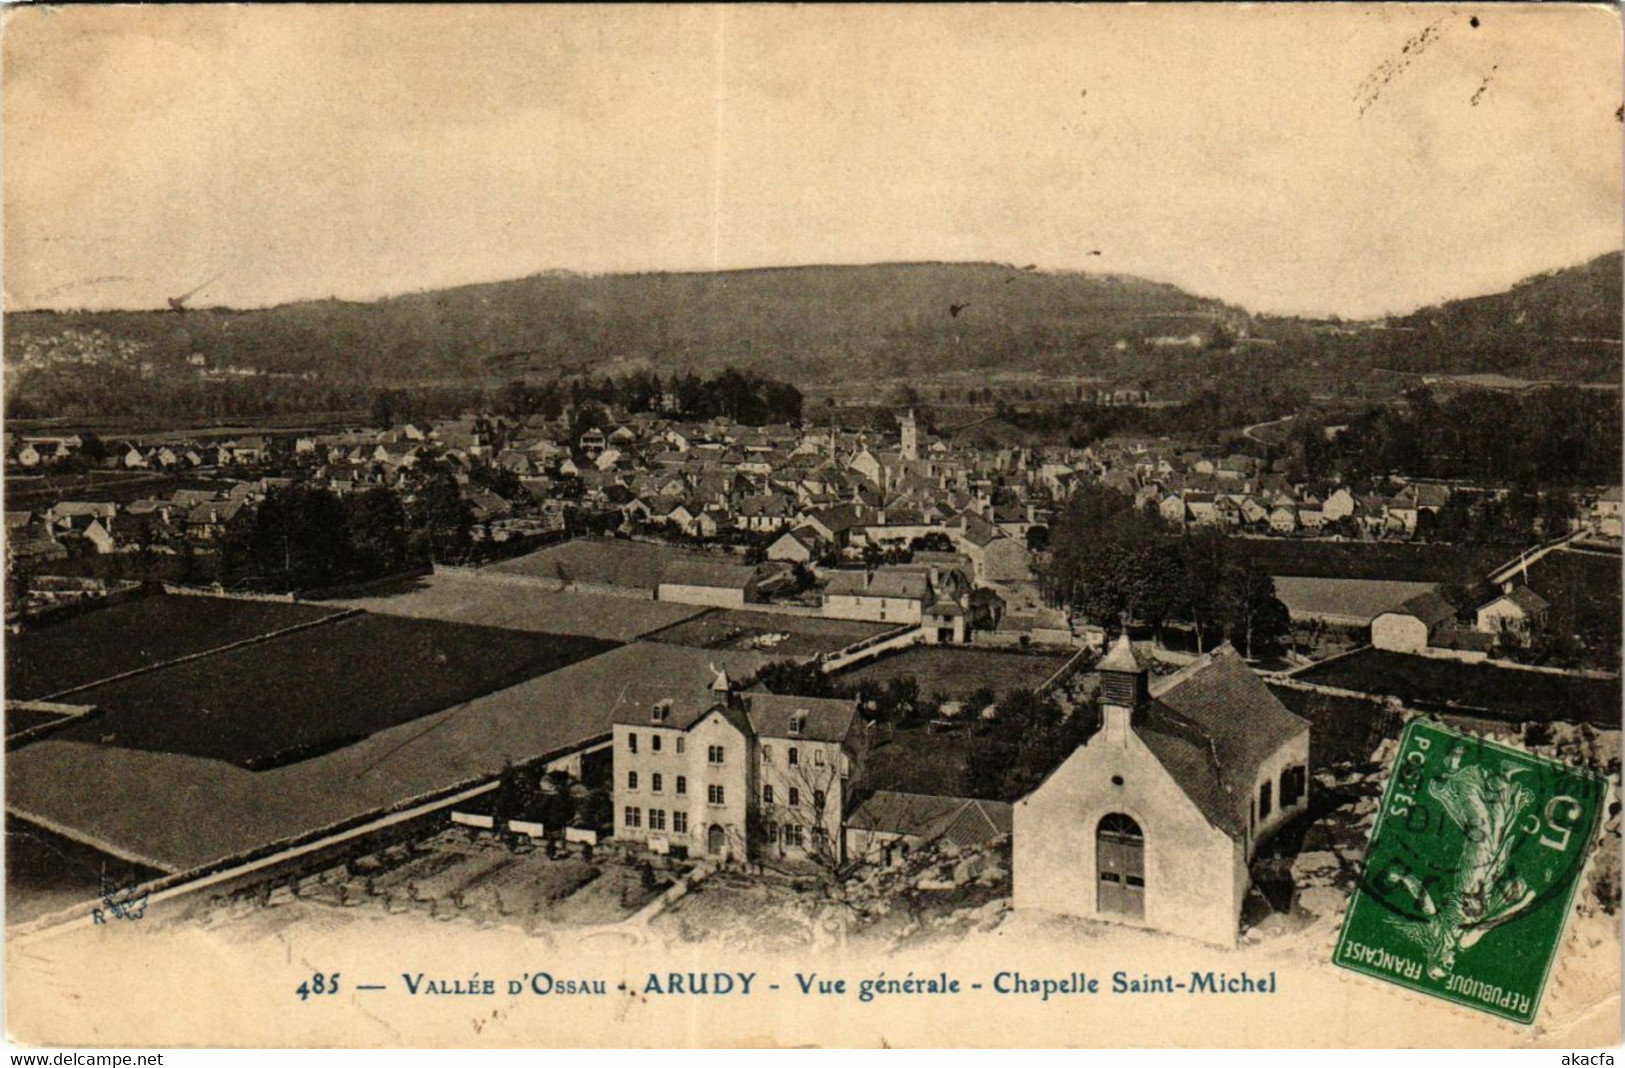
point(318, 985)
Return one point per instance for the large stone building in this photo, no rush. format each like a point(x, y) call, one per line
point(730, 775)
point(1154, 820)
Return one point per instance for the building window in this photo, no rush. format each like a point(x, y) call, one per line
point(818, 800)
point(682, 785)
point(794, 834)
point(654, 782)
point(795, 797)
point(654, 743)
point(767, 754)
point(767, 795)
point(715, 795)
point(657, 819)
point(713, 754)
point(818, 757)
point(1293, 781)
point(679, 823)
point(1264, 793)
point(795, 756)
point(681, 747)
point(631, 743)
point(633, 817)
point(771, 830)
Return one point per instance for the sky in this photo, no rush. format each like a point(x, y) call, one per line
point(1316, 159)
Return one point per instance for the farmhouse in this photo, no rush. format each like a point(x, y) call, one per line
point(799, 546)
point(996, 556)
point(882, 595)
point(1154, 820)
point(1344, 602)
point(891, 823)
point(1608, 514)
point(1519, 611)
point(1414, 625)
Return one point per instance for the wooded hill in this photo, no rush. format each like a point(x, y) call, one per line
point(879, 323)
point(800, 323)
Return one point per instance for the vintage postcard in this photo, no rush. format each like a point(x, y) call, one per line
point(929, 525)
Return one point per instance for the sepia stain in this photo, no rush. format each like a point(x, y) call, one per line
point(1370, 89)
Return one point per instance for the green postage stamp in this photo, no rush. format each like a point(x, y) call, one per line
point(1471, 871)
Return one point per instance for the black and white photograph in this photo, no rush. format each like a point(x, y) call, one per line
point(842, 526)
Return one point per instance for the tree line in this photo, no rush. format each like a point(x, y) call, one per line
point(1555, 436)
point(306, 537)
point(1120, 565)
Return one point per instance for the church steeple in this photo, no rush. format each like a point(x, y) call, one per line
point(1124, 689)
point(911, 436)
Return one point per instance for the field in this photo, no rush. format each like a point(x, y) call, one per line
point(918, 762)
point(470, 599)
point(1394, 561)
point(958, 672)
point(318, 689)
point(601, 562)
point(1427, 683)
point(46, 872)
point(109, 641)
point(1584, 588)
point(768, 632)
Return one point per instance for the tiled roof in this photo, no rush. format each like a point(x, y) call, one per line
point(827, 719)
point(708, 573)
point(1430, 608)
point(1212, 724)
point(963, 821)
point(882, 583)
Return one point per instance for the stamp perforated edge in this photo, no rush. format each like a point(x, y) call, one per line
point(1540, 1025)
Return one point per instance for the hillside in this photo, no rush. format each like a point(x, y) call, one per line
point(835, 329)
point(806, 323)
point(1559, 324)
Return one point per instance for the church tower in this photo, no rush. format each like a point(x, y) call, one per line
point(911, 436)
point(1124, 690)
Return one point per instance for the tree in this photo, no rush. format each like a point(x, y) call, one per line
point(443, 518)
point(1204, 563)
point(803, 679)
point(377, 530)
point(804, 795)
point(298, 538)
point(1253, 612)
point(517, 795)
point(596, 810)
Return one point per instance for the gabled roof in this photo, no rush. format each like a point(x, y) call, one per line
point(963, 821)
point(684, 706)
point(1212, 724)
point(880, 583)
point(1430, 608)
point(826, 719)
point(708, 573)
point(1525, 598)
